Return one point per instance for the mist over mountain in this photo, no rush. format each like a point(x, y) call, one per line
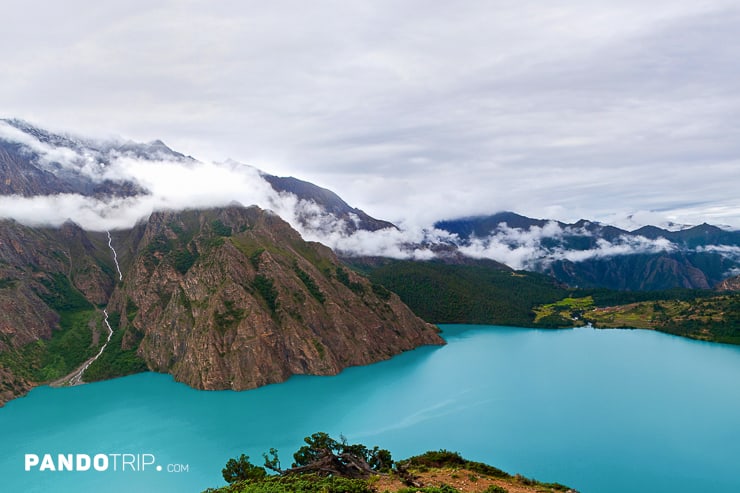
point(590, 254)
point(48, 178)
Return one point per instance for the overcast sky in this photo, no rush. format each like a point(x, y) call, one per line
point(411, 110)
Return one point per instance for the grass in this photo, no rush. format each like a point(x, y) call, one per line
point(47, 360)
point(714, 318)
point(566, 310)
point(69, 346)
point(305, 483)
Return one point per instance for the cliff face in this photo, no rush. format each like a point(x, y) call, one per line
point(35, 265)
point(226, 298)
point(234, 298)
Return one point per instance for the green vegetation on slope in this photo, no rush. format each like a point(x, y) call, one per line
point(478, 294)
point(715, 318)
point(326, 465)
point(306, 483)
point(485, 293)
point(310, 284)
point(563, 313)
point(696, 314)
point(115, 361)
point(68, 347)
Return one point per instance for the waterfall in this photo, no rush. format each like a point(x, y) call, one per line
point(115, 256)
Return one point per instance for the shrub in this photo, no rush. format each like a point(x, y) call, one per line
point(266, 288)
point(495, 489)
point(242, 470)
point(220, 228)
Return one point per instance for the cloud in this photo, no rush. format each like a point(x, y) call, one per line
point(393, 243)
point(170, 183)
point(732, 251)
point(46, 154)
point(411, 112)
point(527, 248)
point(624, 245)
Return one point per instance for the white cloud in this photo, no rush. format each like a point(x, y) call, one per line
point(732, 251)
point(46, 153)
point(393, 243)
point(524, 249)
point(170, 185)
point(625, 245)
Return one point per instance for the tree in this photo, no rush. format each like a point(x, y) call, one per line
point(317, 445)
point(324, 456)
point(242, 470)
point(380, 459)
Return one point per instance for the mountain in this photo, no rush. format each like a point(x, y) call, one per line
point(590, 254)
point(234, 298)
point(34, 162)
point(223, 298)
point(37, 162)
point(331, 204)
point(50, 282)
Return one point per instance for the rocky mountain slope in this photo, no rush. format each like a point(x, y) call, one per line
point(223, 298)
point(50, 280)
point(234, 298)
point(330, 203)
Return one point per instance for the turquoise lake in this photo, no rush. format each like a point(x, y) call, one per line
point(599, 410)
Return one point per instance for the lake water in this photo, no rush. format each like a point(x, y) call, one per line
point(601, 411)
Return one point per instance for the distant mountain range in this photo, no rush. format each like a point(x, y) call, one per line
point(36, 162)
point(590, 254)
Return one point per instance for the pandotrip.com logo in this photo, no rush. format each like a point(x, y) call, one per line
point(117, 462)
